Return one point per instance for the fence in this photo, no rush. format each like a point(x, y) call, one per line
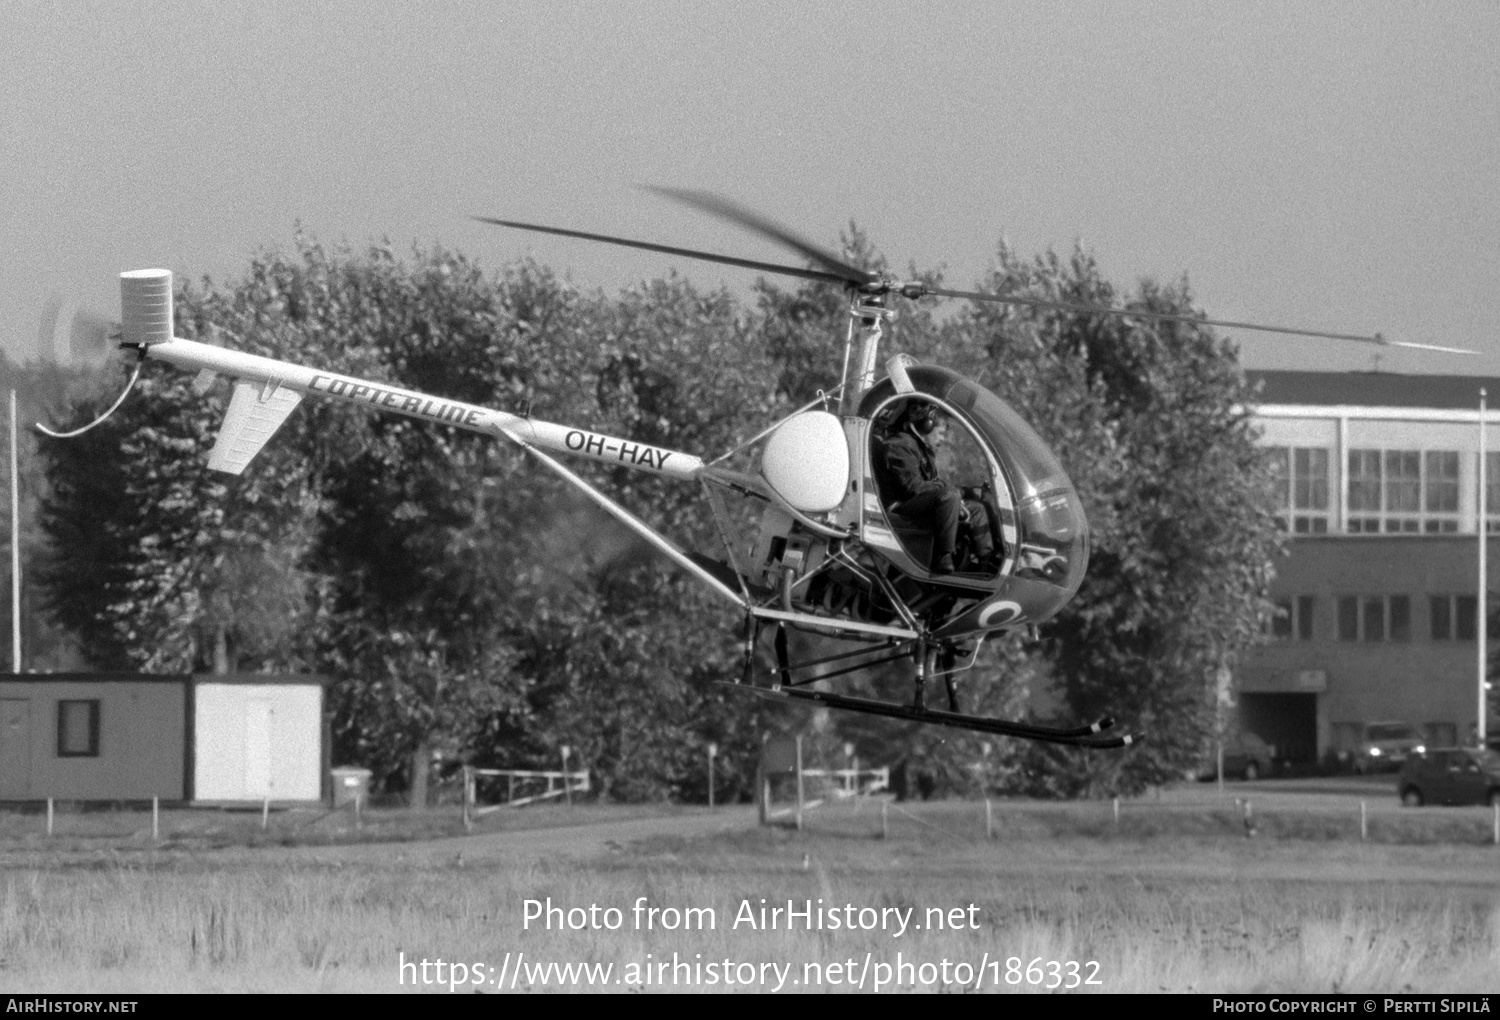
point(1266, 818)
point(847, 784)
point(520, 781)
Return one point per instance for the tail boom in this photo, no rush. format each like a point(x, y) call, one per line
point(273, 377)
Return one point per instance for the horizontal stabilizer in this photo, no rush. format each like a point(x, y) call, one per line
point(256, 411)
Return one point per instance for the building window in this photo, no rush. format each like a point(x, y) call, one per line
point(1440, 614)
point(1455, 618)
point(1374, 618)
point(1305, 604)
point(78, 729)
point(1292, 618)
point(1465, 617)
point(1348, 618)
point(1403, 491)
point(1301, 487)
point(1364, 490)
point(1398, 620)
point(1440, 491)
point(1281, 619)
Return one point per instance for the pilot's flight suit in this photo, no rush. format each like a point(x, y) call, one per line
point(907, 473)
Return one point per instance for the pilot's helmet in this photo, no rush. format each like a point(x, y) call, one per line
point(924, 417)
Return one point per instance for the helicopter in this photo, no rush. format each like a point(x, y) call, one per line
point(831, 554)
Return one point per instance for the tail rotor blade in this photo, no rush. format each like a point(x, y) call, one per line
point(89, 337)
point(69, 335)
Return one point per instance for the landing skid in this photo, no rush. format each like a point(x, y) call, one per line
point(1092, 736)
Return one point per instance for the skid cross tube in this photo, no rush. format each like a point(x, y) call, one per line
point(895, 657)
point(1090, 736)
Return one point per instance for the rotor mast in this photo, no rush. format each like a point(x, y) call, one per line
point(867, 318)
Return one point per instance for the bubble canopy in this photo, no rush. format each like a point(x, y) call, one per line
point(1051, 530)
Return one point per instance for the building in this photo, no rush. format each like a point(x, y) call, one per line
point(239, 739)
point(1378, 488)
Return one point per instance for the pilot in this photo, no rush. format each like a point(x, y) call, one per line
point(906, 468)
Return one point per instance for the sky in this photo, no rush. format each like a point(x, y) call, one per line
point(1331, 166)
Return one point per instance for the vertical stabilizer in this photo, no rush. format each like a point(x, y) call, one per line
point(256, 411)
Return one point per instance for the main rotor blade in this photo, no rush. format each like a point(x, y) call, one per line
point(666, 249)
point(1140, 313)
point(735, 213)
point(836, 270)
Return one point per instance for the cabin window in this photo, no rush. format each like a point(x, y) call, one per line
point(78, 729)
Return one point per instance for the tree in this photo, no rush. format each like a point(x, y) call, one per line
point(157, 561)
point(40, 387)
point(412, 607)
point(622, 649)
point(1151, 421)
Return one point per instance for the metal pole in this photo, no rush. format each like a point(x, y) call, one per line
point(713, 749)
point(1482, 624)
point(799, 783)
point(15, 544)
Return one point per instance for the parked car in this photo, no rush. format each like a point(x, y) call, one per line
point(1450, 775)
point(1246, 756)
point(1386, 746)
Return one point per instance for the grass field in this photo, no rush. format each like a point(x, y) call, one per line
point(1173, 896)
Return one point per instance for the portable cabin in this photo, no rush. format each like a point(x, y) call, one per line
point(199, 739)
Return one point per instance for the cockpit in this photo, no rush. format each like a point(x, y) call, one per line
point(932, 472)
point(1014, 492)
